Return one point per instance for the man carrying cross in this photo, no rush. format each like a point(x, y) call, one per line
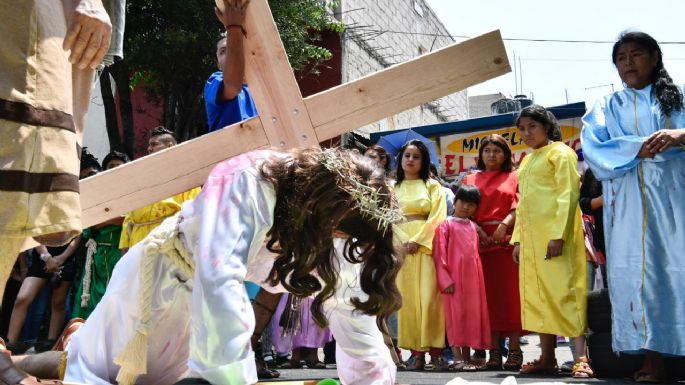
point(176, 305)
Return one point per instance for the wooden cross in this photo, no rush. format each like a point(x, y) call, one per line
point(287, 120)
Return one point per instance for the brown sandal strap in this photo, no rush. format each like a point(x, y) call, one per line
point(515, 359)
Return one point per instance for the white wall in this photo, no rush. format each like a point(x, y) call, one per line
point(95, 135)
point(365, 52)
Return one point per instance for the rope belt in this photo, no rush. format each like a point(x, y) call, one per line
point(131, 225)
point(91, 248)
point(163, 241)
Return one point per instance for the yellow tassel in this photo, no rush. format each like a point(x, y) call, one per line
point(132, 360)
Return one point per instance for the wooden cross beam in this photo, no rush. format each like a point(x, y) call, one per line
point(286, 119)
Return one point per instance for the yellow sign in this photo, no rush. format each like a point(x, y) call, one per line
point(459, 152)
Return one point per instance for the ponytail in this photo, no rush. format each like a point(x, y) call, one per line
point(669, 95)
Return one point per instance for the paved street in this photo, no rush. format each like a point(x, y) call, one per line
point(530, 351)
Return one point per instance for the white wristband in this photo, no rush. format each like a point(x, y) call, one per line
point(44, 257)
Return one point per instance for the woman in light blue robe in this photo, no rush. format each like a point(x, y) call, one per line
point(634, 142)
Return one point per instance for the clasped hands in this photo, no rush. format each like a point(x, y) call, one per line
point(661, 141)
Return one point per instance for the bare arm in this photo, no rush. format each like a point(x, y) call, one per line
point(68, 252)
point(233, 19)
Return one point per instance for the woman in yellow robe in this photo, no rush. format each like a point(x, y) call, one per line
point(140, 222)
point(548, 242)
point(421, 320)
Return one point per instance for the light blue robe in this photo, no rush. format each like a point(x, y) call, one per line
point(645, 256)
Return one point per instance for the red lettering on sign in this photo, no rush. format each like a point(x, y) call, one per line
point(449, 165)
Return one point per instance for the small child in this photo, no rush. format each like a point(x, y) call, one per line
point(460, 279)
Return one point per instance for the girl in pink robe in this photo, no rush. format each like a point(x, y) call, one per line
point(460, 279)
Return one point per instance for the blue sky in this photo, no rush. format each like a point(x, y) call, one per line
point(550, 69)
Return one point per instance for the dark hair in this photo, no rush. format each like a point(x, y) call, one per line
point(382, 153)
point(115, 155)
point(310, 206)
point(467, 193)
point(167, 136)
point(89, 160)
point(541, 115)
point(669, 95)
point(424, 173)
point(223, 35)
point(500, 142)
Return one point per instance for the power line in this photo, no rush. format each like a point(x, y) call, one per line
point(380, 32)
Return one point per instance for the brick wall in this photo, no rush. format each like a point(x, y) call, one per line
point(372, 42)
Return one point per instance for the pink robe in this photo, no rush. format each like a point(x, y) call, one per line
point(455, 252)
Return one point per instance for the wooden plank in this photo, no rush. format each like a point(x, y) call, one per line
point(179, 168)
point(272, 82)
point(164, 174)
point(400, 87)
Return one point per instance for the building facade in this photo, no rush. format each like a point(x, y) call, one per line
point(381, 33)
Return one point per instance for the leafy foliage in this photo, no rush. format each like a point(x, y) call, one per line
point(170, 49)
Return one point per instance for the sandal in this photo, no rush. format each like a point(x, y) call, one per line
point(479, 363)
point(416, 363)
point(440, 364)
point(463, 366)
point(63, 340)
point(18, 348)
point(536, 367)
point(292, 365)
point(263, 371)
point(655, 377)
point(315, 364)
point(495, 361)
point(514, 360)
point(582, 369)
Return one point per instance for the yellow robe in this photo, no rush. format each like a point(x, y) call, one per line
point(421, 320)
point(139, 222)
point(554, 291)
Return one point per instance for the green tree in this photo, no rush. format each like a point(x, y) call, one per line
point(169, 50)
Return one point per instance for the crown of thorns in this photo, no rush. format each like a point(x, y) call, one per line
point(369, 201)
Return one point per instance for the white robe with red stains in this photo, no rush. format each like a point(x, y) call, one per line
point(201, 325)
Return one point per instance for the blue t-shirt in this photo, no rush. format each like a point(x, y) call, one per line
point(220, 115)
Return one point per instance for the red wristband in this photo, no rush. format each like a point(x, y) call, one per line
point(237, 26)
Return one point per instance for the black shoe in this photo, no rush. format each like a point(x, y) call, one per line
point(18, 348)
point(44, 345)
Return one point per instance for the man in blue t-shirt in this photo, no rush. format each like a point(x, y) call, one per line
point(227, 97)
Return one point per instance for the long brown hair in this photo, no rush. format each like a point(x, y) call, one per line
point(310, 207)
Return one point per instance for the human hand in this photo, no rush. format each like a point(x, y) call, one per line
point(89, 31)
point(231, 12)
point(516, 252)
point(645, 152)
point(499, 234)
point(449, 290)
point(51, 266)
point(598, 202)
point(411, 247)
point(554, 248)
point(662, 140)
point(483, 237)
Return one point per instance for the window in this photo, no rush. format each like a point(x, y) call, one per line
point(418, 7)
